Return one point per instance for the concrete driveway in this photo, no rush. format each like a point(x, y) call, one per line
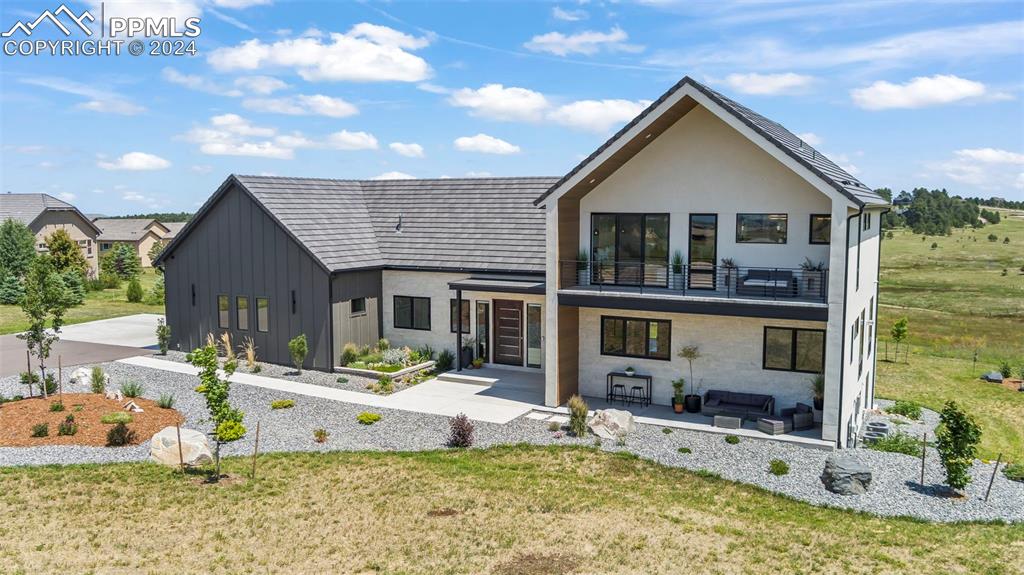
point(137, 330)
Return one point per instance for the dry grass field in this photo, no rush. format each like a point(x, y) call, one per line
point(511, 510)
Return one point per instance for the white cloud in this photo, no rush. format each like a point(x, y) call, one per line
point(432, 88)
point(769, 84)
point(197, 83)
point(587, 42)
point(201, 168)
point(811, 138)
point(598, 116)
point(485, 145)
point(917, 93)
point(135, 161)
point(240, 4)
point(500, 103)
point(366, 53)
point(991, 156)
point(407, 150)
point(988, 169)
point(394, 176)
point(262, 85)
point(235, 124)
point(301, 105)
point(67, 196)
point(98, 100)
point(345, 140)
point(231, 135)
point(558, 13)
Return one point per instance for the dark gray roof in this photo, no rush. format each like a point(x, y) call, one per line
point(472, 224)
point(125, 229)
point(25, 208)
point(774, 132)
point(174, 228)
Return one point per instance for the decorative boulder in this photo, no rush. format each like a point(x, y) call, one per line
point(82, 377)
point(993, 376)
point(133, 407)
point(115, 394)
point(846, 476)
point(611, 423)
point(195, 449)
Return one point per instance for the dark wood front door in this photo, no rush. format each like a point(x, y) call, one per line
point(508, 332)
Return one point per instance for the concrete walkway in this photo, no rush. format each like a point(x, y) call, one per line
point(432, 397)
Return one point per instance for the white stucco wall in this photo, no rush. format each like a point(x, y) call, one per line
point(731, 349)
point(435, 286)
point(702, 165)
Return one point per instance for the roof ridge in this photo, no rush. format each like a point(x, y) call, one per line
point(370, 180)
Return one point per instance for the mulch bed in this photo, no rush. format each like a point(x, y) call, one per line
point(1011, 383)
point(18, 417)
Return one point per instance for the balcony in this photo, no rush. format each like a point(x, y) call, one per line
point(761, 284)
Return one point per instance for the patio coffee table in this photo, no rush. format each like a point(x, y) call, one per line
point(729, 421)
point(771, 426)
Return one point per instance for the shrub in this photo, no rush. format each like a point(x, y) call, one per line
point(554, 426)
point(342, 379)
point(732, 439)
point(666, 430)
point(157, 293)
point(383, 344)
point(320, 435)
point(426, 352)
point(778, 467)
point(935, 245)
point(906, 409)
point(395, 356)
point(385, 384)
point(684, 450)
point(74, 283)
point(1014, 472)
point(40, 430)
point(131, 389)
point(68, 426)
point(163, 335)
point(957, 443)
point(249, 350)
point(11, 289)
point(230, 430)
point(122, 261)
point(297, 349)
point(1006, 240)
point(166, 401)
point(116, 417)
point(578, 416)
point(51, 384)
point(282, 403)
point(445, 360)
point(1004, 368)
point(98, 382)
point(367, 418)
point(461, 431)
point(349, 353)
point(109, 281)
point(993, 237)
point(898, 442)
point(134, 292)
point(120, 435)
point(56, 406)
point(28, 378)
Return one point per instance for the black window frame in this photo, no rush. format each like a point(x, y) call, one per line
point(793, 348)
point(785, 239)
point(594, 262)
point(352, 306)
point(412, 312)
point(867, 221)
point(238, 313)
point(222, 310)
point(810, 230)
point(260, 328)
point(647, 330)
point(468, 308)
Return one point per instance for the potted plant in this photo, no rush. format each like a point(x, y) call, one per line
point(813, 273)
point(582, 261)
point(478, 362)
point(678, 396)
point(691, 353)
point(629, 371)
point(730, 269)
point(818, 389)
point(677, 268)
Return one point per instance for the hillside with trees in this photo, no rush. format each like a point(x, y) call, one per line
point(936, 212)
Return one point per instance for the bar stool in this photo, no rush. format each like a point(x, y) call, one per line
point(618, 391)
point(638, 393)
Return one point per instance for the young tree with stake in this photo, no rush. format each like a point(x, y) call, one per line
point(45, 302)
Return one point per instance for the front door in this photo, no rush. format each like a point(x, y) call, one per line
point(703, 251)
point(508, 332)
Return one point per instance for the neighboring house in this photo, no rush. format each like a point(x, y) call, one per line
point(172, 229)
point(574, 277)
point(44, 214)
point(140, 233)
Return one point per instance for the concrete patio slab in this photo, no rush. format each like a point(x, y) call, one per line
point(137, 330)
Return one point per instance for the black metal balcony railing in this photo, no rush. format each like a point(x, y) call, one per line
point(792, 284)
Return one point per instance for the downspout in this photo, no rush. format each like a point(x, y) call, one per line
point(458, 330)
point(842, 347)
point(878, 282)
point(330, 322)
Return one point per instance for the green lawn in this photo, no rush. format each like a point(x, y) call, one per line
point(958, 303)
point(98, 305)
point(510, 510)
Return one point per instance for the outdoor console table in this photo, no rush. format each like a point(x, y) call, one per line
point(611, 396)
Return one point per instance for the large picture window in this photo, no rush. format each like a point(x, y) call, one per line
point(223, 312)
point(821, 228)
point(412, 312)
point(636, 337)
point(465, 316)
point(794, 349)
point(761, 228)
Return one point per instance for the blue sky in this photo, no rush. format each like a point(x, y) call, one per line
point(902, 94)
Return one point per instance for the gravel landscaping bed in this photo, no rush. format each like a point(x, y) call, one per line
point(894, 489)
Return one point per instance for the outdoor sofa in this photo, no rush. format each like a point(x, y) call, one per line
point(749, 406)
point(767, 283)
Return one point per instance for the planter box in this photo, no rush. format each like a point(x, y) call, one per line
point(374, 374)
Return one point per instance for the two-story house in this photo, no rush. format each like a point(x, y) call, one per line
point(700, 223)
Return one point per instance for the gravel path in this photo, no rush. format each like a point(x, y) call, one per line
point(894, 490)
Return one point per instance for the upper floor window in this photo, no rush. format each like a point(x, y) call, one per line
point(761, 228)
point(263, 314)
point(412, 312)
point(636, 337)
point(821, 228)
point(629, 248)
point(242, 307)
point(223, 312)
point(794, 349)
point(465, 316)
